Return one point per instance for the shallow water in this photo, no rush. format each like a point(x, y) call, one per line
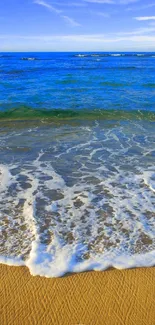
point(77, 185)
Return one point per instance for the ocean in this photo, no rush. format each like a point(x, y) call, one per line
point(77, 161)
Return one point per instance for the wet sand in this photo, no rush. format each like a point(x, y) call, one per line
point(94, 298)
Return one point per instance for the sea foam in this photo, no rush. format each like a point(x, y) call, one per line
point(84, 200)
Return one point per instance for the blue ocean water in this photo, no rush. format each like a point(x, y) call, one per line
point(77, 161)
point(77, 81)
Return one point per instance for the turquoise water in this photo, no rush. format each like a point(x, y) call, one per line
point(77, 161)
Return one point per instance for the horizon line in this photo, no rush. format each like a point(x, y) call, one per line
point(80, 51)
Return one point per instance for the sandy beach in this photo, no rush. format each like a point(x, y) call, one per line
point(111, 297)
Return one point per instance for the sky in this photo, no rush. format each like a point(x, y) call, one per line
point(77, 25)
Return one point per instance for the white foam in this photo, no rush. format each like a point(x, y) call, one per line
point(59, 260)
point(29, 59)
point(16, 261)
point(116, 54)
point(88, 206)
point(81, 55)
point(149, 179)
point(5, 178)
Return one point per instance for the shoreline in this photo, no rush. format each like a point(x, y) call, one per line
point(111, 297)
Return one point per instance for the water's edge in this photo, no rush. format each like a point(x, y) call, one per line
point(117, 262)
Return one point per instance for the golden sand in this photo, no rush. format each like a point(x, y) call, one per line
point(94, 298)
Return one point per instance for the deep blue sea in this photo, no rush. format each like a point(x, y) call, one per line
point(77, 161)
point(73, 81)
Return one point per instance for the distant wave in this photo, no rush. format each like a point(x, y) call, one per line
point(77, 55)
point(28, 59)
point(81, 55)
point(114, 55)
point(117, 55)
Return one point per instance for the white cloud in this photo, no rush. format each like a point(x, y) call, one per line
point(140, 38)
point(149, 5)
point(139, 31)
point(77, 43)
point(95, 38)
point(71, 4)
point(67, 19)
point(145, 18)
point(48, 6)
point(71, 21)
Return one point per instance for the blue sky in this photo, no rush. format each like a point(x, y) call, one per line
point(77, 25)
